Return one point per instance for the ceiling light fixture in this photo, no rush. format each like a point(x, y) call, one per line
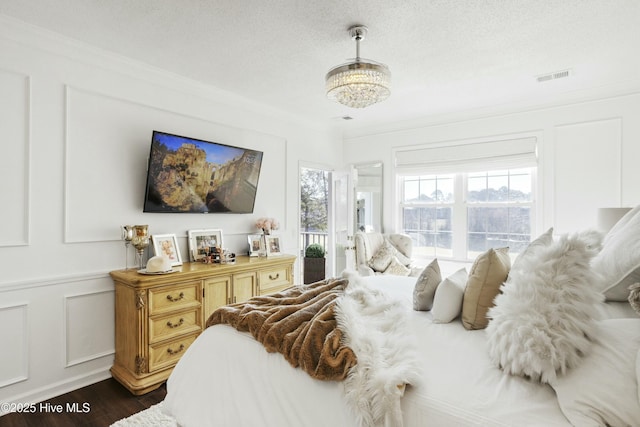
point(361, 82)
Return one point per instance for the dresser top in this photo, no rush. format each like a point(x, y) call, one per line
point(199, 270)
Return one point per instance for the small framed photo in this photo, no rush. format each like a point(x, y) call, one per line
point(273, 245)
point(167, 245)
point(254, 244)
point(201, 242)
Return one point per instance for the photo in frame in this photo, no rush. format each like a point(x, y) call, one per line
point(273, 245)
point(254, 244)
point(167, 245)
point(201, 242)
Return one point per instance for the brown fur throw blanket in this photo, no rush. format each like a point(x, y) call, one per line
point(300, 324)
point(338, 329)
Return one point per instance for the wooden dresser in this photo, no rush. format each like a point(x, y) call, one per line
point(159, 316)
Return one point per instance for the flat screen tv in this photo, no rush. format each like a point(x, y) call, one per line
point(187, 175)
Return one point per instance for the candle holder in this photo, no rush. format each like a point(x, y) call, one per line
point(140, 241)
point(127, 236)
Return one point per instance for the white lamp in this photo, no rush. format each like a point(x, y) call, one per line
point(608, 217)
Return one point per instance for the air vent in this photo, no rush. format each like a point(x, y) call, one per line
point(553, 76)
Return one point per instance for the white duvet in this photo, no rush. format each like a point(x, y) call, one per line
point(226, 378)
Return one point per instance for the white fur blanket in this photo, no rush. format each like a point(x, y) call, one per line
point(375, 328)
point(337, 330)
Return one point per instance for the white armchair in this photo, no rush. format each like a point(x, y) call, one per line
point(368, 244)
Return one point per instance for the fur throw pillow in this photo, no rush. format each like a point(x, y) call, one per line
point(544, 320)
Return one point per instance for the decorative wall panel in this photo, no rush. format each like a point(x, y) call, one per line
point(107, 148)
point(89, 327)
point(587, 165)
point(14, 335)
point(14, 161)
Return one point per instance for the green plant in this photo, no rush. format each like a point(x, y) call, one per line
point(314, 250)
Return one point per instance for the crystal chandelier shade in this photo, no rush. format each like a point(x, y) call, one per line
point(359, 83)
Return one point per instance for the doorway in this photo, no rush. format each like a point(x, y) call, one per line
point(315, 193)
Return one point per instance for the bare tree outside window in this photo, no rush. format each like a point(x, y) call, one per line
point(314, 207)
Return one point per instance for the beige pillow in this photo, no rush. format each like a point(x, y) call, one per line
point(396, 268)
point(487, 274)
point(425, 288)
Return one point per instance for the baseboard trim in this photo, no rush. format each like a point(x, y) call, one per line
point(61, 387)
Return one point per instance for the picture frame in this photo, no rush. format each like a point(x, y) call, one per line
point(254, 244)
point(274, 245)
point(167, 245)
point(200, 242)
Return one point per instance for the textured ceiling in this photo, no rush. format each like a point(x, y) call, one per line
point(444, 55)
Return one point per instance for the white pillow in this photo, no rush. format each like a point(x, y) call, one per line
point(545, 239)
point(619, 261)
point(603, 390)
point(543, 320)
point(447, 302)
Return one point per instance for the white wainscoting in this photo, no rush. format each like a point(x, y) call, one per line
point(90, 326)
point(57, 335)
point(14, 336)
point(14, 162)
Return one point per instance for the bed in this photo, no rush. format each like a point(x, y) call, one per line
point(226, 378)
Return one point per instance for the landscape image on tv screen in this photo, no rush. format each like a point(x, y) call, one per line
point(190, 175)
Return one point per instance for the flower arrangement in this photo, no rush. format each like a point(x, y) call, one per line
point(267, 224)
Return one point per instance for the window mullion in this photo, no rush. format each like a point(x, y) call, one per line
point(459, 245)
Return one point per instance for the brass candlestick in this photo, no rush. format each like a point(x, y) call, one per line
point(140, 241)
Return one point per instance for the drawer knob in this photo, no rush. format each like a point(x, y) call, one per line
point(175, 325)
point(172, 299)
point(172, 352)
point(277, 276)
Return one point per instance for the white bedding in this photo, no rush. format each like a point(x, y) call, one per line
point(226, 378)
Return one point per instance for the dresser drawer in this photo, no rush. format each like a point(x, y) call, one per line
point(166, 327)
point(167, 354)
point(273, 280)
point(177, 297)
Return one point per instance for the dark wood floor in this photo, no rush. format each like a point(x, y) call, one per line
point(105, 402)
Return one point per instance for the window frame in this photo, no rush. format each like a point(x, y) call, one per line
point(460, 206)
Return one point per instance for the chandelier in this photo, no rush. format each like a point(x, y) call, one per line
point(361, 82)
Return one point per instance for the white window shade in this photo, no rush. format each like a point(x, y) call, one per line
point(467, 157)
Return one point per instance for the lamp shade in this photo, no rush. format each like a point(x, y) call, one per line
point(608, 217)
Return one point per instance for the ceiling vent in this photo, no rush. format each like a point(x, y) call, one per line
point(553, 76)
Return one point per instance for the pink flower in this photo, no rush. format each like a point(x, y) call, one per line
point(267, 224)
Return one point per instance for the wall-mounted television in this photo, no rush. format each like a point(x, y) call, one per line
point(188, 175)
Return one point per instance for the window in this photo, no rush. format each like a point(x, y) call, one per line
point(427, 213)
point(461, 215)
point(498, 210)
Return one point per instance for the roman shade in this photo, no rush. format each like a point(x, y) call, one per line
point(466, 156)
